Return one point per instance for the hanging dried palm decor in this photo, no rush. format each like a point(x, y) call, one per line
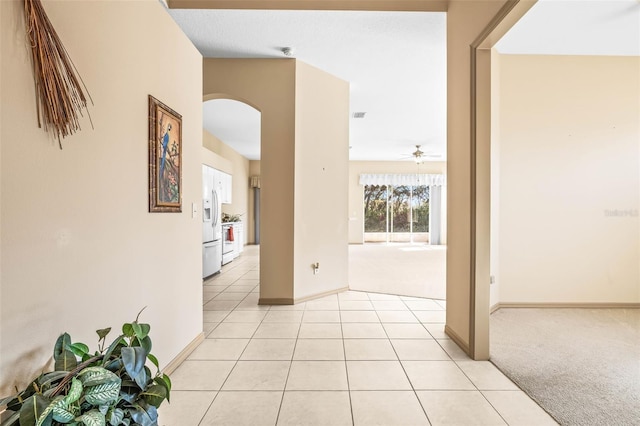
point(60, 91)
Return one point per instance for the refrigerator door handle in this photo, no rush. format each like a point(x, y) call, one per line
point(215, 208)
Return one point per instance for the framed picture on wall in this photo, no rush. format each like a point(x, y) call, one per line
point(165, 158)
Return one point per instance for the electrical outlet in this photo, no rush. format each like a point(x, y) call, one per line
point(316, 268)
point(492, 279)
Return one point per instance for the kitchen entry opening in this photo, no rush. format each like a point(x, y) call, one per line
point(397, 213)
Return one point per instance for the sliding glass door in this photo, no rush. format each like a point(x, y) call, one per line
point(396, 213)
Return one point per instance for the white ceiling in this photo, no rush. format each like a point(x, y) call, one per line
point(394, 61)
point(576, 27)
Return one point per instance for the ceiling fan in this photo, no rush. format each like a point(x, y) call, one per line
point(419, 156)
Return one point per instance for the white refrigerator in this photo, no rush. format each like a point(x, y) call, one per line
point(211, 223)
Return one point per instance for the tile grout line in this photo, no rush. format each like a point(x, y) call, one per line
point(477, 389)
point(236, 362)
point(346, 367)
point(295, 344)
point(402, 366)
point(231, 370)
point(415, 393)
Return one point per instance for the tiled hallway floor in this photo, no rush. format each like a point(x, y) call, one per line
point(354, 358)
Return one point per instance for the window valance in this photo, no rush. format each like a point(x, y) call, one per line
point(403, 179)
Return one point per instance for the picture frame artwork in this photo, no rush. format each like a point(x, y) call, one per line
point(165, 158)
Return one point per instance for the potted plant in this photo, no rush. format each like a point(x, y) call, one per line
point(112, 386)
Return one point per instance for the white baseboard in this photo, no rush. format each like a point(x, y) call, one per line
point(319, 295)
point(457, 339)
point(179, 359)
point(605, 305)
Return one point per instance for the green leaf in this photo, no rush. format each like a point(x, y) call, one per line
point(62, 415)
point(48, 378)
point(93, 376)
point(60, 409)
point(114, 365)
point(103, 332)
point(146, 328)
point(115, 416)
point(134, 359)
point(46, 415)
point(75, 392)
point(79, 349)
point(31, 410)
point(65, 360)
point(92, 418)
point(62, 343)
point(144, 416)
point(14, 403)
point(146, 343)
point(154, 360)
point(102, 394)
point(104, 409)
point(139, 330)
point(155, 395)
point(127, 330)
point(129, 395)
point(118, 343)
point(165, 382)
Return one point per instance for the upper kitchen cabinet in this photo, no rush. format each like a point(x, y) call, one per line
point(226, 187)
point(222, 181)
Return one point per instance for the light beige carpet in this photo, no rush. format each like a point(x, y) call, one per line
point(581, 365)
point(417, 270)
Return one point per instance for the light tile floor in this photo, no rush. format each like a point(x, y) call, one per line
point(354, 358)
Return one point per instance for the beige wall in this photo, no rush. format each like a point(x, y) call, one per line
point(465, 21)
point(321, 170)
point(238, 168)
point(79, 249)
point(269, 86)
point(569, 154)
point(356, 191)
point(211, 153)
point(296, 105)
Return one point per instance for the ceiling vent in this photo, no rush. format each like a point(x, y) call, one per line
point(359, 114)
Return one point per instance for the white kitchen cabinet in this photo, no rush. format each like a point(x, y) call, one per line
point(238, 229)
point(217, 182)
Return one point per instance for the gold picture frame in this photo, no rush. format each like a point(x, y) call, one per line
point(165, 158)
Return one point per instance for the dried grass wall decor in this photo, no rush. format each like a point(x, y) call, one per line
point(60, 91)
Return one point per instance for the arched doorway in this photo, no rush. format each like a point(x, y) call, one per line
point(230, 157)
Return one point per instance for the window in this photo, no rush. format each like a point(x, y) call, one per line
point(375, 208)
